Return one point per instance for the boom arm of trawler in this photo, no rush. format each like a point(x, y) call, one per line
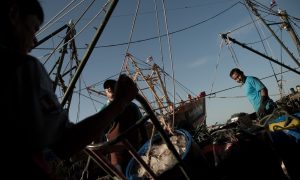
point(226, 37)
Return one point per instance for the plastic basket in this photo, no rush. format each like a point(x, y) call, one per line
point(191, 156)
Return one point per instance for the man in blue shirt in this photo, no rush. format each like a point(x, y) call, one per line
point(283, 143)
point(256, 92)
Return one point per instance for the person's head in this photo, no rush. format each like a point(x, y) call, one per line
point(109, 87)
point(21, 20)
point(298, 88)
point(237, 75)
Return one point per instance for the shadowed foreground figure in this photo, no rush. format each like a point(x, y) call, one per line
point(34, 119)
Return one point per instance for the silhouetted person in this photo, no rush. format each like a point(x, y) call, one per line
point(32, 118)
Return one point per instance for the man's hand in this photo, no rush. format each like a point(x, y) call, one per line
point(125, 90)
point(261, 110)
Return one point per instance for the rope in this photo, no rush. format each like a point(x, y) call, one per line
point(249, 23)
point(217, 65)
point(174, 32)
point(170, 55)
point(181, 85)
point(72, 28)
point(43, 28)
point(263, 46)
point(130, 35)
point(265, 121)
point(262, 39)
point(90, 97)
point(292, 21)
point(264, 8)
point(232, 52)
point(159, 36)
point(85, 170)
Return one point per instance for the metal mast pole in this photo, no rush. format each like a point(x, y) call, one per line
point(89, 51)
point(287, 26)
point(226, 37)
point(250, 4)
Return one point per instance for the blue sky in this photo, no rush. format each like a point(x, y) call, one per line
point(193, 53)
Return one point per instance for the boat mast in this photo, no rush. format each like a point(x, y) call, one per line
point(59, 76)
point(157, 69)
point(151, 82)
point(89, 51)
point(69, 37)
point(287, 26)
point(254, 10)
point(50, 36)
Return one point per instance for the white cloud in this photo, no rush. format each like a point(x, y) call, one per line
point(197, 63)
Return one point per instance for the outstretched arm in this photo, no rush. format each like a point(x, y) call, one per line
point(76, 137)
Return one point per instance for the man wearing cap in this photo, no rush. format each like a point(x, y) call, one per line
point(130, 115)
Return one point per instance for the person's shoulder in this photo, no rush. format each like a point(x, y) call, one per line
point(104, 106)
point(132, 107)
point(256, 79)
point(132, 104)
point(252, 78)
point(17, 59)
point(21, 61)
point(35, 64)
point(32, 60)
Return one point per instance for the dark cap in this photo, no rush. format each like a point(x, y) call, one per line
point(109, 83)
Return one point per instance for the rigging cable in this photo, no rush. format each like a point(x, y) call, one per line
point(90, 96)
point(295, 18)
point(295, 24)
point(286, 20)
point(181, 85)
point(207, 95)
point(155, 37)
point(72, 28)
point(262, 39)
point(263, 45)
point(49, 23)
point(130, 35)
point(170, 56)
point(217, 65)
point(159, 37)
point(148, 67)
point(250, 22)
point(233, 54)
point(266, 9)
point(223, 90)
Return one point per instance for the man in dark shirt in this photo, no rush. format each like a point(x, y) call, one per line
point(33, 120)
point(125, 120)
